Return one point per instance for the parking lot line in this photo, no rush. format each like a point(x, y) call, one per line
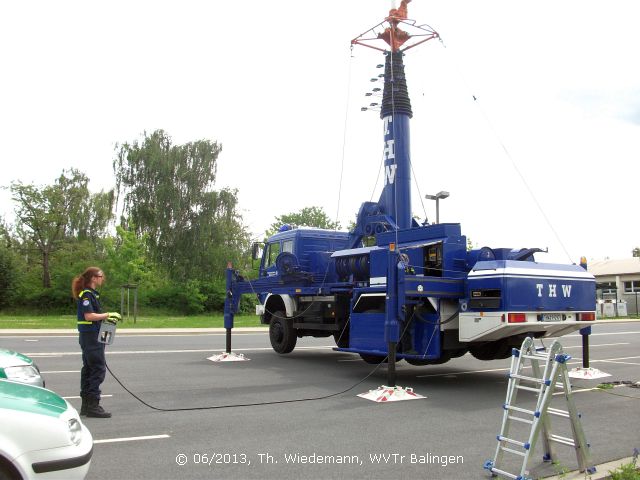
point(137, 352)
point(60, 371)
point(617, 361)
point(131, 439)
point(73, 397)
point(600, 345)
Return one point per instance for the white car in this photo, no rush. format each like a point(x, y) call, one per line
point(19, 368)
point(41, 435)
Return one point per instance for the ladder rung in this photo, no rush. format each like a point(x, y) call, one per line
point(503, 473)
point(530, 379)
point(528, 389)
point(521, 410)
point(535, 357)
point(563, 440)
point(513, 442)
point(559, 413)
point(511, 450)
point(523, 420)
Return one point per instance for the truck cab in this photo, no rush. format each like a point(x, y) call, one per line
point(303, 249)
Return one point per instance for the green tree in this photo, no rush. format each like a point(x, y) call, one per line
point(307, 217)
point(127, 258)
point(46, 215)
point(167, 195)
point(9, 270)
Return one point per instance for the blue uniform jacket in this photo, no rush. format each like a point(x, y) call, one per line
point(88, 302)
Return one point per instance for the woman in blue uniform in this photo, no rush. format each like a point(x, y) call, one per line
point(90, 315)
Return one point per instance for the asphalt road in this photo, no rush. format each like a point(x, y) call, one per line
point(447, 435)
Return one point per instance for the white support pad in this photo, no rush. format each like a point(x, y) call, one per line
point(391, 394)
point(228, 357)
point(587, 373)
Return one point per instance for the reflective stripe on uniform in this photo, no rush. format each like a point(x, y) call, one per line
point(84, 322)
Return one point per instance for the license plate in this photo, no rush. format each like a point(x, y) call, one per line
point(552, 317)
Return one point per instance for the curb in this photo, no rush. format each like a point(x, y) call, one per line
point(602, 471)
point(17, 332)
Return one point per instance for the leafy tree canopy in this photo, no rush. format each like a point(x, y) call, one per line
point(46, 215)
point(307, 217)
point(168, 197)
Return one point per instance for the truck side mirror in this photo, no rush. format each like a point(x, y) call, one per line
point(256, 250)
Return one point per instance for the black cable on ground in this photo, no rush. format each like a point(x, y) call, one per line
point(273, 402)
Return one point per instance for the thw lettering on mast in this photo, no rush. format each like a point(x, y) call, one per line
point(389, 153)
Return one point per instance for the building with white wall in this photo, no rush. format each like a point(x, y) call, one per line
point(618, 281)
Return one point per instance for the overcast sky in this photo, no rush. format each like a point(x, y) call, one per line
point(546, 156)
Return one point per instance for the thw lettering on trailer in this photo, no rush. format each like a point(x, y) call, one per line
point(552, 290)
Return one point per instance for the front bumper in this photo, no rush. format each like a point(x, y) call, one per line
point(69, 462)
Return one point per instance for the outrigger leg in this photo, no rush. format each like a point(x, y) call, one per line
point(391, 392)
point(230, 307)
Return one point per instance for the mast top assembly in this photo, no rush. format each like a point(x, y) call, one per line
point(395, 37)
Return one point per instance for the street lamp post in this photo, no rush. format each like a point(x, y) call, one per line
point(437, 197)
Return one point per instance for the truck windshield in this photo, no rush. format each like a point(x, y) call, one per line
point(272, 253)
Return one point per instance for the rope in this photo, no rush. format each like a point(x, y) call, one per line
point(507, 153)
point(344, 136)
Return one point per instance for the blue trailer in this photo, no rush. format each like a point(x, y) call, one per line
point(393, 289)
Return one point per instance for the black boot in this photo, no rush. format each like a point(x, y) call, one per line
point(95, 410)
point(83, 407)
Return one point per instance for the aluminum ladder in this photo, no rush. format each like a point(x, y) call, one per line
point(549, 373)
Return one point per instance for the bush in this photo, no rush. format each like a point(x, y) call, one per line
point(185, 298)
point(48, 300)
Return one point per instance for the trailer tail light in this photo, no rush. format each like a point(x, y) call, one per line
point(587, 317)
point(517, 318)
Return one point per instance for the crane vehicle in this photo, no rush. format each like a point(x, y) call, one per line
point(393, 289)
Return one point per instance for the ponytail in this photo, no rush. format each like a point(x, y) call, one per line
point(81, 282)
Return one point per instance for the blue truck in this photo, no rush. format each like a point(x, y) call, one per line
point(394, 289)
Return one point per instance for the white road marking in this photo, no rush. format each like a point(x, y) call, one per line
point(45, 355)
point(73, 397)
point(61, 371)
point(601, 345)
point(137, 352)
point(466, 372)
point(601, 334)
point(582, 390)
point(614, 361)
point(131, 439)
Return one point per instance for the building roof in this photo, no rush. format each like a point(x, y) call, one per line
point(625, 266)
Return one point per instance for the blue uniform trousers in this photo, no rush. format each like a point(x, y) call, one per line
point(94, 365)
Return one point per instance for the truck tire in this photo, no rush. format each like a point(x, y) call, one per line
point(373, 359)
point(497, 350)
point(420, 362)
point(282, 335)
